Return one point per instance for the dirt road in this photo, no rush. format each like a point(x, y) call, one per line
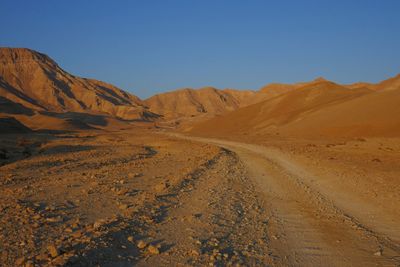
point(136, 197)
point(313, 224)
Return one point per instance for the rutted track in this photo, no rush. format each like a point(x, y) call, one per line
point(308, 227)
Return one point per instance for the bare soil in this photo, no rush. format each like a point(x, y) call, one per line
point(152, 198)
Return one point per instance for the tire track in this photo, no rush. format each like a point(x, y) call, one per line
point(306, 227)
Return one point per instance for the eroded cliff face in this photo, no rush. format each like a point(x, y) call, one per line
point(36, 81)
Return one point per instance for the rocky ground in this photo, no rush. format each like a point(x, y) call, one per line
point(125, 198)
point(154, 198)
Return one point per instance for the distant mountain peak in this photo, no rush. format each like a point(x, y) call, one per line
point(16, 55)
point(320, 79)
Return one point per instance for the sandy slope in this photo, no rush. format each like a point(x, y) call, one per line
point(375, 114)
point(320, 109)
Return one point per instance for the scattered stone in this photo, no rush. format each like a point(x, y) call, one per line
point(20, 261)
point(161, 187)
point(98, 224)
point(141, 244)
point(53, 251)
point(153, 250)
point(58, 261)
point(54, 219)
point(194, 253)
point(122, 192)
point(41, 257)
point(77, 234)
point(135, 175)
point(378, 253)
point(123, 206)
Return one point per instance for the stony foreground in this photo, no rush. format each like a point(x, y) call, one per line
point(147, 198)
point(121, 199)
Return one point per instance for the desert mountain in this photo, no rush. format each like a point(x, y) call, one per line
point(389, 84)
point(209, 101)
point(206, 101)
point(374, 114)
point(317, 108)
point(33, 82)
point(36, 92)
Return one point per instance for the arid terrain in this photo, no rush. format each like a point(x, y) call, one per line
point(302, 174)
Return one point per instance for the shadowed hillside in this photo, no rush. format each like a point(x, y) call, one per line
point(35, 81)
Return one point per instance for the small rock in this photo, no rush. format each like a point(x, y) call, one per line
point(161, 187)
point(77, 234)
point(58, 261)
point(41, 257)
point(122, 192)
point(54, 219)
point(98, 224)
point(378, 253)
point(20, 261)
point(141, 244)
point(123, 206)
point(194, 253)
point(53, 251)
point(153, 250)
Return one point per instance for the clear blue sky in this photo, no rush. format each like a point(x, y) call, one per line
point(152, 46)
